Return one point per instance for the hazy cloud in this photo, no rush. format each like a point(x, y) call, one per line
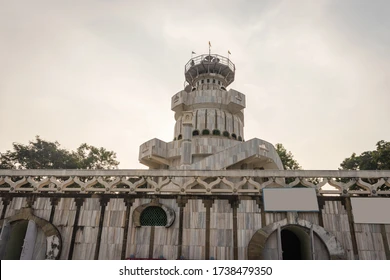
point(315, 73)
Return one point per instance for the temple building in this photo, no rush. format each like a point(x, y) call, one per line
point(208, 194)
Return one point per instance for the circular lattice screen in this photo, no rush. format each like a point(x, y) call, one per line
point(153, 216)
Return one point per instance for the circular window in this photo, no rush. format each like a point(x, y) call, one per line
point(153, 216)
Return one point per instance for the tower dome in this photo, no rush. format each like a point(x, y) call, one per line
point(209, 66)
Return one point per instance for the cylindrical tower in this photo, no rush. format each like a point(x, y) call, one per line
point(209, 128)
point(216, 111)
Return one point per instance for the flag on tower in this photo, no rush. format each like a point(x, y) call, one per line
point(229, 52)
point(209, 44)
point(193, 52)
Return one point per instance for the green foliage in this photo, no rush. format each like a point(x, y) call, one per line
point(378, 159)
point(90, 157)
point(287, 158)
point(288, 161)
point(41, 154)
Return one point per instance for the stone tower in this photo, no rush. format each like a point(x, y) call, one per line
point(209, 129)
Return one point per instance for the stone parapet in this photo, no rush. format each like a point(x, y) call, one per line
point(237, 182)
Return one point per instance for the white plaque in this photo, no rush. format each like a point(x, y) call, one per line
point(371, 210)
point(290, 199)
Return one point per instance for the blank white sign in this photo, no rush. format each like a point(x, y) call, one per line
point(290, 199)
point(371, 210)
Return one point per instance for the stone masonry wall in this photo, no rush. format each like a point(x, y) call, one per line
point(88, 226)
point(365, 241)
point(63, 219)
point(113, 230)
point(194, 230)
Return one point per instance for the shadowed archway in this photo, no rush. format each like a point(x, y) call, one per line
point(260, 249)
point(51, 233)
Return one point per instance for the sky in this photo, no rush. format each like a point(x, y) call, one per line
point(316, 74)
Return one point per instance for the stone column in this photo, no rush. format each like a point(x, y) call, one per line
point(235, 203)
point(79, 202)
point(385, 241)
point(129, 203)
point(260, 204)
point(54, 202)
point(181, 201)
point(208, 203)
point(6, 201)
point(103, 203)
point(348, 207)
point(186, 153)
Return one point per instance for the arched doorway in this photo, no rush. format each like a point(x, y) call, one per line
point(301, 240)
point(290, 242)
point(291, 246)
point(27, 236)
point(295, 243)
point(23, 240)
point(15, 242)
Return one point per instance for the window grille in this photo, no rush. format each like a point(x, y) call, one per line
point(153, 216)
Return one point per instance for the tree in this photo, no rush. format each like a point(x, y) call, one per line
point(41, 154)
point(90, 157)
point(378, 159)
point(288, 161)
point(287, 158)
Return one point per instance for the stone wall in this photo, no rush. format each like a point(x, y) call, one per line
point(248, 221)
point(335, 220)
point(16, 204)
point(221, 230)
point(87, 230)
point(138, 238)
point(64, 216)
point(113, 230)
point(105, 227)
point(166, 239)
point(194, 230)
point(370, 242)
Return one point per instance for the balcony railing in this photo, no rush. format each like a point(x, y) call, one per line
point(210, 59)
point(192, 182)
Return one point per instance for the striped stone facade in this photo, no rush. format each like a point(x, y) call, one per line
point(212, 228)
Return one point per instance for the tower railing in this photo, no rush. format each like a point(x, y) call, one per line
point(209, 59)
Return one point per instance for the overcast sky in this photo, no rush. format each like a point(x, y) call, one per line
point(316, 74)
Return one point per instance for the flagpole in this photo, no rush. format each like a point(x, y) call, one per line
point(209, 58)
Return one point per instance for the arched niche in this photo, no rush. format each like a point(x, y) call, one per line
point(265, 242)
point(154, 205)
point(25, 221)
